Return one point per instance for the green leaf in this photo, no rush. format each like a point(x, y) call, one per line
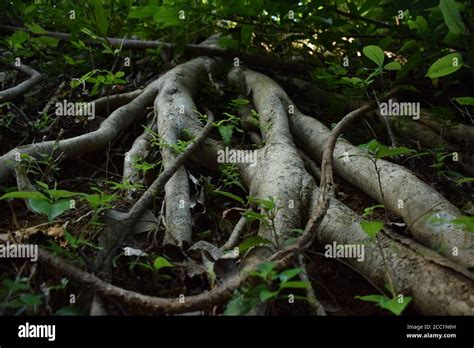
point(25, 195)
point(251, 242)
point(69, 60)
point(267, 204)
point(51, 210)
point(227, 42)
point(230, 195)
point(393, 66)
point(161, 262)
point(237, 306)
point(385, 151)
point(452, 17)
point(18, 37)
point(246, 34)
point(35, 28)
point(167, 17)
point(375, 54)
point(371, 298)
point(371, 228)
point(14, 286)
point(143, 12)
point(465, 100)
point(49, 41)
point(250, 215)
point(226, 132)
point(289, 274)
point(101, 16)
point(445, 66)
point(295, 285)
point(58, 194)
point(464, 180)
point(393, 305)
point(407, 45)
point(266, 295)
point(31, 300)
point(239, 102)
point(378, 150)
point(69, 311)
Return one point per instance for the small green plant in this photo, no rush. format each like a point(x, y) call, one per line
point(51, 203)
point(124, 186)
point(376, 151)
point(443, 171)
point(43, 121)
point(143, 166)
point(269, 287)
point(227, 126)
point(269, 210)
point(99, 200)
point(396, 305)
point(18, 297)
point(99, 78)
point(230, 176)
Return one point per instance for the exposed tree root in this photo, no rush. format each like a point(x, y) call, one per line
point(176, 111)
point(108, 131)
point(140, 150)
point(112, 102)
point(403, 193)
point(438, 285)
point(460, 134)
point(430, 138)
point(22, 88)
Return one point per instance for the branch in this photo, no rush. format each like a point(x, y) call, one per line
point(190, 50)
point(157, 305)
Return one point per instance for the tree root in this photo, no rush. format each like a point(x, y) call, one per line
point(403, 193)
point(20, 89)
point(176, 113)
point(108, 131)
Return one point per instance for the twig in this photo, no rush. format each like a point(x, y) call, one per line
point(235, 235)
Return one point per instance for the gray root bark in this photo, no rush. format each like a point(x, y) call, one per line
point(176, 114)
point(280, 172)
point(436, 288)
point(140, 149)
point(429, 282)
point(430, 138)
point(114, 101)
point(20, 89)
point(108, 131)
point(403, 193)
point(460, 134)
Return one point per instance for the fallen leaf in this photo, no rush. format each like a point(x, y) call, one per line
point(55, 231)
